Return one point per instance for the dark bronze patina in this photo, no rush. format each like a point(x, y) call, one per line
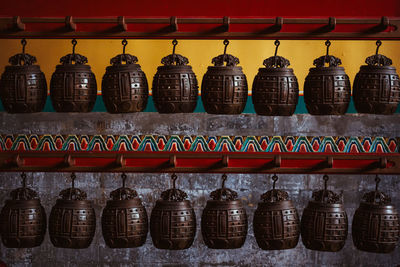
point(124, 86)
point(224, 87)
point(124, 219)
point(324, 222)
point(173, 221)
point(73, 87)
point(22, 219)
point(224, 220)
point(175, 88)
point(23, 87)
point(275, 87)
point(327, 89)
point(376, 223)
point(276, 221)
point(376, 86)
point(72, 221)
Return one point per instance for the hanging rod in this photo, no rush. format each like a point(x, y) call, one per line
point(197, 162)
point(217, 28)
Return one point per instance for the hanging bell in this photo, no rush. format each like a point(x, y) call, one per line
point(73, 87)
point(23, 87)
point(324, 222)
point(376, 87)
point(224, 87)
point(327, 89)
point(375, 225)
point(275, 88)
point(224, 220)
point(23, 219)
point(175, 88)
point(124, 219)
point(172, 220)
point(276, 221)
point(124, 86)
point(72, 221)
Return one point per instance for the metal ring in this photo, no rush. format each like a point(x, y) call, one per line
point(74, 42)
point(124, 42)
point(174, 42)
point(277, 43)
point(226, 42)
point(326, 177)
point(23, 42)
point(328, 43)
point(274, 178)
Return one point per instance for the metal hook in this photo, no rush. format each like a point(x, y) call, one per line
point(378, 44)
point(23, 176)
point(23, 42)
point(174, 43)
point(377, 181)
point(73, 177)
point(326, 178)
point(173, 178)
point(123, 176)
point(328, 44)
point(124, 43)
point(74, 42)
point(224, 177)
point(226, 43)
point(277, 43)
point(274, 178)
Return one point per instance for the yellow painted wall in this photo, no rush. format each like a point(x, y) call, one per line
point(200, 52)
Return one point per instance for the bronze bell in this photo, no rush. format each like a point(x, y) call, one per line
point(72, 221)
point(276, 221)
point(327, 89)
point(124, 219)
point(173, 221)
point(376, 86)
point(376, 223)
point(275, 87)
point(23, 219)
point(73, 87)
point(23, 87)
point(324, 222)
point(224, 220)
point(124, 87)
point(175, 88)
point(224, 88)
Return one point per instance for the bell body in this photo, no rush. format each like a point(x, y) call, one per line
point(324, 226)
point(175, 89)
point(23, 89)
point(125, 89)
point(73, 88)
point(124, 223)
point(172, 224)
point(376, 90)
point(224, 224)
point(276, 225)
point(275, 92)
point(72, 224)
point(224, 90)
point(22, 223)
point(327, 91)
point(375, 228)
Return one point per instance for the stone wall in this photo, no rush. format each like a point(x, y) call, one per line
point(198, 186)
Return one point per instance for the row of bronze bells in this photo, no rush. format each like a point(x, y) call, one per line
point(224, 89)
point(276, 222)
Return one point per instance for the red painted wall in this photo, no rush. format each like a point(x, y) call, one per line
point(206, 8)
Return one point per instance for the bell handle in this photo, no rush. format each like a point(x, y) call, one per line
point(23, 43)
point(325, 178)
point(74, 43)
point(124, 44)
point(174, 43)
point(223, 178)
point(173, 178)
point(123, 177)
point(378, 44)
point(226, 43)
point(274, 179)
point(377, 181)
point(23, 176)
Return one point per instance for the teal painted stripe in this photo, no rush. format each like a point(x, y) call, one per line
point(99, 106)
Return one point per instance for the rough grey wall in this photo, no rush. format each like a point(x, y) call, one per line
point(198, 186)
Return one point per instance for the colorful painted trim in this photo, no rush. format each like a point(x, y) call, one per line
point(177, 143)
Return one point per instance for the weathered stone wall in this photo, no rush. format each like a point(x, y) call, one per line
point(198, 186)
